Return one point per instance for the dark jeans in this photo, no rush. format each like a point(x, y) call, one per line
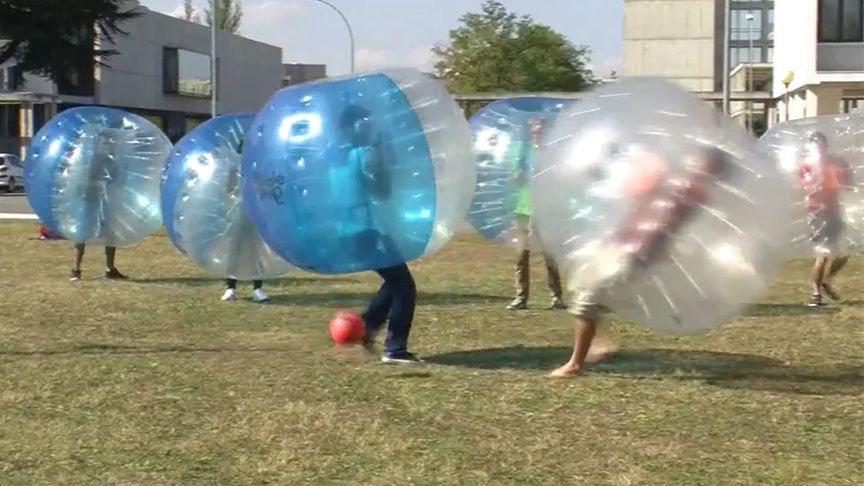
point(232, 284)
point(396, 298)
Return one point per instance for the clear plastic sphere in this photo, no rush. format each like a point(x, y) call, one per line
point(92, 175)
point(823, 160)
point(359, 173)
point(507, 135)
point(657, 207)
point(202, 203)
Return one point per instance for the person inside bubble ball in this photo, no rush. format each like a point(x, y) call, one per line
point(663, 206)
point(233, 188)
point(823, 176)
point(358, 181)
point(523, 226)
point(93, 210)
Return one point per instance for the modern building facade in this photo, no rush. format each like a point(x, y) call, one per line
point(296, 73)
point(683, 40)
point(161, 71)
point(819, 57)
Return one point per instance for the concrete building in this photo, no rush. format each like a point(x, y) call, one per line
point(682, 40)
point(296, 73)
point(161, 71)
point(820, 53)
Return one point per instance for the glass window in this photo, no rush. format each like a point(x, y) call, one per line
point(186, 73)
point(770, 55)
point(742, 29)
point(852, 29)
point(770, 26)
point(841, 20)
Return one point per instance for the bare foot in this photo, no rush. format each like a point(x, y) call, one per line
point(601, 349)
point(566, 371)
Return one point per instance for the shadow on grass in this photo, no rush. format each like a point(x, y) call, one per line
point(727, 370)
point(275, 283)
point(798, 309)
point(360, 299)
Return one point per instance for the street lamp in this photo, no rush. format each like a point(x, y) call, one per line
point(347, 25)
point(749, 19)
point(787, 80)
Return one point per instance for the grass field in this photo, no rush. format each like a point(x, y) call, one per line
point(156, 382)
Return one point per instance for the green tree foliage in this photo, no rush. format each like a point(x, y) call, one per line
point(54, 37)
point(189, 12)
point(229, 14)
point(495, 50)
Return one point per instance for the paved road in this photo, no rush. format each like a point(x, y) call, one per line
point(14, 204)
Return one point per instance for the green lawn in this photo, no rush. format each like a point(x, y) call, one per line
point(157, 382)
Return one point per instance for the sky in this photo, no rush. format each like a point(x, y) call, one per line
point(400, 33)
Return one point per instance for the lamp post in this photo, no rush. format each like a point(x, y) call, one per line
point(347, 25)
point(213, 63)
point(726, 34)
point(787, 80)
point(750, 71)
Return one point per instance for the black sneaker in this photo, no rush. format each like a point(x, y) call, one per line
point(403, 357)
point(518, 304)
point(114, 274)
point(815, 301)
point(75, 275)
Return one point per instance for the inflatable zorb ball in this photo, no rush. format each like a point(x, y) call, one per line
point(358, 173)
point(202, 204)
point(507, 135)
point(658, 208)
point(92, 175)
point(823, 160)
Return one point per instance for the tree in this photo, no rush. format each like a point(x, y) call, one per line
point(189, 12)
point(495, 50)
point(228, 14)
point(52, 38)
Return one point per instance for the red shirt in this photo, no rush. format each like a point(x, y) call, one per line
point(823, 179)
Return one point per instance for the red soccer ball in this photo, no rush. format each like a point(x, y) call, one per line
point(347, 327)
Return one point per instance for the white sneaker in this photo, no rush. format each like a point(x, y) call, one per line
point(258, 295)
point(229, 295)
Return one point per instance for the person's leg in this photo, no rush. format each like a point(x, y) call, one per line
point(378, 310)
point(76, 263)
point(403, 293)
point(230, 290)
point(521, 226)
point(818, 279)
point(834, 268)
point(111, 271)
point(553, 278)
point(585, 331)
point(589, 347)
point(258, 294)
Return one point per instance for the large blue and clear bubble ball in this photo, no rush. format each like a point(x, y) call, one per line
point(92, 175)
point(657, 207)
point(507, 135)
point(202, 203)
point(359, 173)
point(823, 160)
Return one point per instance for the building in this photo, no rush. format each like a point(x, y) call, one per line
point(683, 40)
point(295, 73)
point(161, 71)
point(819, 57)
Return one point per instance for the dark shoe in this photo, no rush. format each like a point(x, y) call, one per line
point(403, 357)
point(518, 304)
point(828, 289)
point(815, 301)
point(75, 275)
point(557, 304)
point(115, 274)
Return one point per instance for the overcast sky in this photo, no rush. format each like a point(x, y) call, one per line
point(401, 32)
